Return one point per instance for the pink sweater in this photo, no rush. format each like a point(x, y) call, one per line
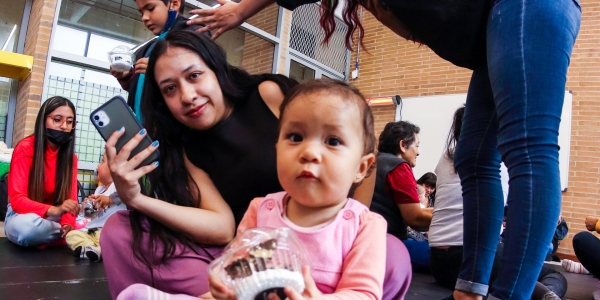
point(347, 255)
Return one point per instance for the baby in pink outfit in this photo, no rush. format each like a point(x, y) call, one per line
point(324, 151)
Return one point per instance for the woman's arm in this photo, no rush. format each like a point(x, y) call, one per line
point(18, 182)
point(271, 93)
point(211, 223)
point(416, 217)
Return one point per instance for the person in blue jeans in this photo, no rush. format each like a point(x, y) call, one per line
point(519, 51)
point(512, 115)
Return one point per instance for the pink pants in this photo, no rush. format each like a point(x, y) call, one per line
point(187, 273)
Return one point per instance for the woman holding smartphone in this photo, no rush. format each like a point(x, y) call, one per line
point(42, 182)
point(201, 111)
point(217, 127)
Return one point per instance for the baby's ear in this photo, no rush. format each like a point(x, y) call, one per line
point(366, 162)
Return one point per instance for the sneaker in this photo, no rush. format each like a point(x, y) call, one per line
point(92, 253)
point(551, 296)
point(574, 267)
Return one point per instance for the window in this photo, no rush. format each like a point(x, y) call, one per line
point(11, 19)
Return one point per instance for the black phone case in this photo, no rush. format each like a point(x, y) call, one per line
point(120, 115)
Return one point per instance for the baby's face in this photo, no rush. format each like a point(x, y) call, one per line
point(104, 172)
point(320, 149)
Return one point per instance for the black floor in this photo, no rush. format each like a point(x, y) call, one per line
point(53, 273)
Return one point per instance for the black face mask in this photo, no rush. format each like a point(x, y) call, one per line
point(58, 137)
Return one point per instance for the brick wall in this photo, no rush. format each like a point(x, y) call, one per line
point(266, 19)
point(581, 198)
point(257, 57)
point(258, 54)
point(396, 66)
point(30, 89)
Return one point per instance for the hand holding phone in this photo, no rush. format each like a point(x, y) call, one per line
point(130, 153)
point(116, 114)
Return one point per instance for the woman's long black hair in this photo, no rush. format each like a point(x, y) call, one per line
point(454, 133)
point(64, 163)
point(171, 182)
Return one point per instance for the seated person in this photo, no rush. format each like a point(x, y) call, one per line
point(85, 242)
point(585, 244)
point(42, 182)
point(428, 182)
point(559, 234)
point(395, 196)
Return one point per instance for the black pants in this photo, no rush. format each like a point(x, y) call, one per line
point(586, 247)
point(445, 265)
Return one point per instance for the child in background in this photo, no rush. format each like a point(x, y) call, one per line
point(85, 242)
point(325, 149)
point(160, 17)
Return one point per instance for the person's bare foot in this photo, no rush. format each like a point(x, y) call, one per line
point(460, 295)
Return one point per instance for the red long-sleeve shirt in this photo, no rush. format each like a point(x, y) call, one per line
point(18, 181)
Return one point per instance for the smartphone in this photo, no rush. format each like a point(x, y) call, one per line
point(114, 114)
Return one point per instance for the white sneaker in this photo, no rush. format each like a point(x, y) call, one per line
point(92, 253)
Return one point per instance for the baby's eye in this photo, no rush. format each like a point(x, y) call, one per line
point(294, 137)
point(333, 141)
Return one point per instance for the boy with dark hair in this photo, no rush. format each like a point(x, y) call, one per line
point(160, 17)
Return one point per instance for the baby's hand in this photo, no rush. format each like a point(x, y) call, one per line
point(219, 290)
point(102, 202)
point(310, 290)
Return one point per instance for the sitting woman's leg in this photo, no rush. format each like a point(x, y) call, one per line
point(29, 229)
point(419, 254)
point(398, 271)
point(185, 273)
point(585, 246)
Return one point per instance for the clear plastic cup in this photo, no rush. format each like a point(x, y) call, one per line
point(89, 211)
point(121, 58)
point(261, 261)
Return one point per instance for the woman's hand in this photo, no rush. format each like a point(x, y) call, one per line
point(101, 201)
point(228, 16)
point(218, 290)
point(65, 229)
point(223, 18)
point(68, 206)
point(123, 171)
point(310, 290)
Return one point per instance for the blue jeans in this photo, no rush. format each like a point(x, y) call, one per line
point(512, 115)
point(30, 229)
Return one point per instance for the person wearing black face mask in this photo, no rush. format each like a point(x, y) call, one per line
point(42, 182)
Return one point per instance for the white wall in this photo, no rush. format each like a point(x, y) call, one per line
point(433, 114)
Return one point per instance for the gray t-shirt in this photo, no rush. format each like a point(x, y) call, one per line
point(447, 222)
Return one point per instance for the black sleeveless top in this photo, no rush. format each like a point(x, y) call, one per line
point(383, 203)
point(239, 154)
